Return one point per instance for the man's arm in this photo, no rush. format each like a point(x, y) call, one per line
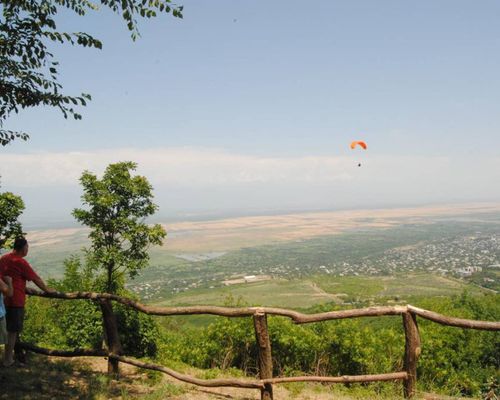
point(6, 286)
point(41, 284)
point(30, 275)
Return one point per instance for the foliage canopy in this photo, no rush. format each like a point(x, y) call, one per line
point(454, 361)
point(117, 206)
point(29, 71)
point(11, 207)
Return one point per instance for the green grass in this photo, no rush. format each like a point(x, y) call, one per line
point(166, 391)
point(400, 287)
point(301, 294)
point(361, 286)
point(272, 293)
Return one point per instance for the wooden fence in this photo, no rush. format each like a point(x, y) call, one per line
point(259, 314)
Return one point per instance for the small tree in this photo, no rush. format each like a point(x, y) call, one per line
point(117, 206)
point(11, 207)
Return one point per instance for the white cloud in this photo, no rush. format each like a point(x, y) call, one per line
point(186, 166)
point(214, 180)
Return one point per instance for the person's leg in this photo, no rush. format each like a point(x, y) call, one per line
point(3, 333)
point(19, 353)
point(8, 357)
point(14, 319)
point(3, 330)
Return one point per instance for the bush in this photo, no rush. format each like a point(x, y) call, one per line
point(453, 360)
point(78, 323)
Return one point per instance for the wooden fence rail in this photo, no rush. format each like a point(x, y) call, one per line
point(259, 314)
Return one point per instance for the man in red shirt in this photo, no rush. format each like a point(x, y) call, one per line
point(14, 265)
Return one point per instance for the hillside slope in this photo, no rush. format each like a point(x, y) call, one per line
point(85, 378)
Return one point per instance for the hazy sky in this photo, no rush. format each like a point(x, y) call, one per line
point(251, 106)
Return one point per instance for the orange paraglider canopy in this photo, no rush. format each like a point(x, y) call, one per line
point(358, 143)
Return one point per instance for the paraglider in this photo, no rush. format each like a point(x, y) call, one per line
point(359, 143)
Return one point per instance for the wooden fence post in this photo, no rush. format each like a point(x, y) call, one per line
point(412, 352)
point(265, 358)
point(111, 335)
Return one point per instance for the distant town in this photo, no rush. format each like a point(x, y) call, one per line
point(461, 257)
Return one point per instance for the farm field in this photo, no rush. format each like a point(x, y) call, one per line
point(241, 232)
point(418, 284)
point(308, 292)
point(275, 293)
point(191, 239)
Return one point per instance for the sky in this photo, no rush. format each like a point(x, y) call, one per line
point(250, 106)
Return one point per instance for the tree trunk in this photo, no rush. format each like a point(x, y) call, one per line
point(109, 283)
point(111, 335)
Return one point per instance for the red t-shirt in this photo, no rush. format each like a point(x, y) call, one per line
point(20, 271)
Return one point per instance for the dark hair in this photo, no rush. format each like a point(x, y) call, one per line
point(19, 243)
